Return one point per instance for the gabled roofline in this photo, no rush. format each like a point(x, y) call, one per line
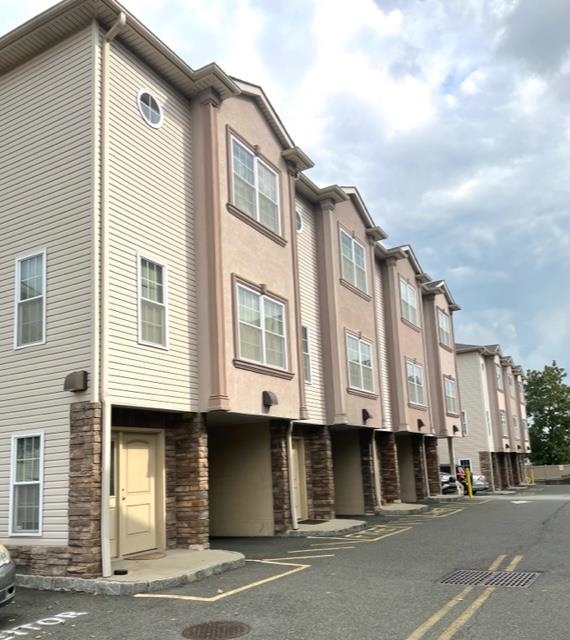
point(306, 188)
point(440, 286)
point(483, 349)
point(421, 276)
point(374, 231)
point(70, 16)
point(292, 153)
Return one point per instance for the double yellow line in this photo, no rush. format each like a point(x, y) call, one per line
point(455, 625)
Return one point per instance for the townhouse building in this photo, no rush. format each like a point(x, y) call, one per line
point(423, 391)
point(198, 340)
point(494, 418)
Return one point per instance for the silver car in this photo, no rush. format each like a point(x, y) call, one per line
point(7, 577)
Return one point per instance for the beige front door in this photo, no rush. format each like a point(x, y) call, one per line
point(299, 479)
point(133, 503)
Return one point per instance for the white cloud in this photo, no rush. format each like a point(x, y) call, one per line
point(471, 86)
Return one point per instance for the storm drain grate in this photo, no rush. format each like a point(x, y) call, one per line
point(478, 578)
point(219, 630)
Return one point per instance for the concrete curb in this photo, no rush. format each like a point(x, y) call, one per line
point(104, 586)
point(412, 510)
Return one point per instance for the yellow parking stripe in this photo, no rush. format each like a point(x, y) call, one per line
point(251, 585)
point(441, 613)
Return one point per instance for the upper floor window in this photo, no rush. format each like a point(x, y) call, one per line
point(149, 108)
point(359, 356)
point(353, 261)
point(499, 376)
point(30, 299)
point(298, 221)
point(26, 484)
point(409, 302)
point(450, 387)
point(152, 303)
point(464, 423)
point(306, 354)
point(511, 384)
point(255, 187)
point(521, 390)
point(415, 375)
point(503, 421)
point(443, 328)
point(261, 321)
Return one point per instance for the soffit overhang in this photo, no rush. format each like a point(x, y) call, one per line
point(70, 16)
point(440, 286)
point(307, 189)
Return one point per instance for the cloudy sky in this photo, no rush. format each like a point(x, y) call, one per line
point(452, 117)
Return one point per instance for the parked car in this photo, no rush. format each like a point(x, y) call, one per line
point(449, 484)
point(7, 577)
point(478, 481)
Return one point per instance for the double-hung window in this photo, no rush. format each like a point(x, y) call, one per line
point(261, 321)
point(450, 388)
point(443, 328)
point(306, 354)
point(152, 303)
point(503, 420)
point(415, 375)
point(464, 424)
point(409, 302)
point(26, 484)
point(255, 187)
point(359, 356)
point(499, 376)
point(353, 261)
point(30, 299)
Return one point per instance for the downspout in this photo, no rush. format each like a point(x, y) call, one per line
point(376, 464)
point(426, 472)
point(104, 292)
point(294, 522)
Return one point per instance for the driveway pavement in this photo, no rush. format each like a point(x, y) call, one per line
point(381, 583)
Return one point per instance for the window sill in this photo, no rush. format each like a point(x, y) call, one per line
point(355, 289)
point(450, 414)
point(446, 347)
point(252, 222)
point(413, 326)
point(361, 393)
point(263, 369)
point(152, 345)
point(418, 407)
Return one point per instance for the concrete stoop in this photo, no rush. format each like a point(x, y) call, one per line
point(177, 568)
point(442, 499)
point(334, 527)
point(400, 509)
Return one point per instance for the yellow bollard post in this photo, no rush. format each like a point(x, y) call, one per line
point(469, 485)
point(532, 475)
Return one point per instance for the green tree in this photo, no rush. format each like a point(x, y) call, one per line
point(548, 407)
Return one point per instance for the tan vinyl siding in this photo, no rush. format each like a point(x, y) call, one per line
point(310, 311)
point(382, 350)
point(473, 402)
point(151, 212)
point(46, 169)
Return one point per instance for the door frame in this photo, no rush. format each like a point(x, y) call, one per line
point(160, 486)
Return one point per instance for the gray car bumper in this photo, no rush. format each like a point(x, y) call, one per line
point(7, 579)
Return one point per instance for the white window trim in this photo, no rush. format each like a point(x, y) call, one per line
point(442, 314)
point(464, 423)
point(151, 93)
point(256, 160)
point(262, 297)
point(409, 288)
point(353, 241)
point(26, 534)
point(447, 379)
point(166, 346)
point(360, 341)
point(469, 460)
point(423, 387)
point(307, 353)
point(19, 259)
point(299, 217)
point(499, 377)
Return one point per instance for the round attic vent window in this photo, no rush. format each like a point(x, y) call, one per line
point(149, 108)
